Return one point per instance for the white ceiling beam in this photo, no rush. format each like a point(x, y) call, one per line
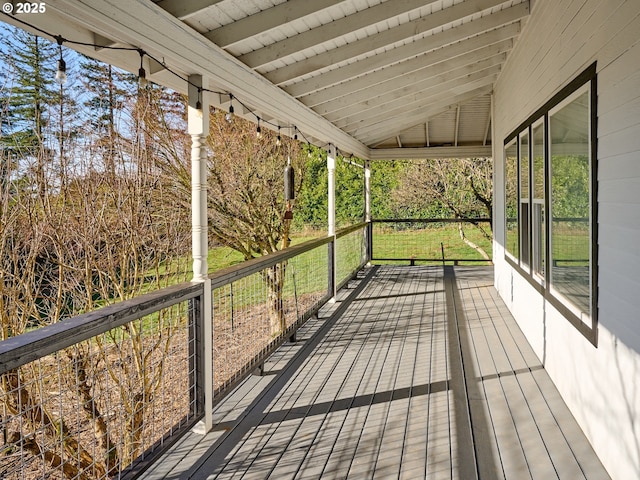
point(141, 23)
point(185, 9)
point(268, 19)
point(102, 42)
point(470, 151)
point(404, 32)
point(435, 93)
point(487, 128)
point(441, 82)
point(373, 134)
point(460, 65)
point(399, 141)
point(482, 46)
point(410, 50)
point(382, 127)
point(330, 31)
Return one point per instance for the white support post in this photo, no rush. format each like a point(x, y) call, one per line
point(198, 129)
point(367, 209)
point(331, 220)
point(198, 125)
point(331, 204)
point(367, 190)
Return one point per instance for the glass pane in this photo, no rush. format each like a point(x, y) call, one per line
point(524, 199)
point(537, 148)
point(570, 202)
point(524, 166)
point(511, 198)
point(537, 145)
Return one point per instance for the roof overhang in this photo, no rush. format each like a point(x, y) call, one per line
point(378, 79)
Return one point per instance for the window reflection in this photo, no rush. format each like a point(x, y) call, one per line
point(524, 199)
point(511, 198)
point(570, 202)
point(539, 227)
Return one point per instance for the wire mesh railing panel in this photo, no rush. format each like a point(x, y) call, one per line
point(253, 314)
point(103, 406)
point(432, 241)
point(307, 288)
point(351, 254)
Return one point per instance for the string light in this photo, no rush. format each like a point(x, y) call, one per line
point(142, 74)
point(61, 74)
point(279, 139)
point(229, 116)
point(258, 129)
point(199, 102)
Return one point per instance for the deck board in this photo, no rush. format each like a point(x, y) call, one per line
point(415, 372)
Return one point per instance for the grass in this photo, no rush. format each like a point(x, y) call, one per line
point(429, 243)
point(222, 257)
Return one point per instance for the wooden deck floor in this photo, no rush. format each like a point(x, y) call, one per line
point(415, 372)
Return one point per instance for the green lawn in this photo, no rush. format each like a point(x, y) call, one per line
point(428, 243)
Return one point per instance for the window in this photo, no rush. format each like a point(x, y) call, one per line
point(538, 194)
point(524, 199)
point(570, 173)
point(511, 199)
point(550, 201)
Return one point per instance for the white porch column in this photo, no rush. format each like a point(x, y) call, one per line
point(367, 209)
point(198, 126)
point(198, 129)
point(331, 220)
point(331, 204)
point(367, 190)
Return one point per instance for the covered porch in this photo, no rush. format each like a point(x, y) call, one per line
point(414, 372)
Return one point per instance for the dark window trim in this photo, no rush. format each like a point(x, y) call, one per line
point(588, 76)
point(585, 77)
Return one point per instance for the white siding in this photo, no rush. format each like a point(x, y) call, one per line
point(601, 385)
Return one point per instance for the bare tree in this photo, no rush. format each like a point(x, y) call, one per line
point(459, 187)
point(106, 233)
point(246, 197)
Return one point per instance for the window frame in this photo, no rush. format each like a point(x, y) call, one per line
point(539, 247)
point(542, 283)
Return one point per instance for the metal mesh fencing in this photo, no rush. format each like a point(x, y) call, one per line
point(255, 313)
point(104, 400)
point(432, 241)
point(351, 254)
point(103, 406)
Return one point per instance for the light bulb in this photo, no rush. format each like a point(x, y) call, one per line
point(61, 74)
point(142, 78)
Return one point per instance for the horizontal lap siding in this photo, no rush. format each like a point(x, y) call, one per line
point(561, 39)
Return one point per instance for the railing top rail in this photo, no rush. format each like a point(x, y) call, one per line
point(235, 272)
point(22, 349)
point(353, 228)
point(430, 220)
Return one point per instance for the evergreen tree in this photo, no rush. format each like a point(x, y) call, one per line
point(106, 91)
point(29, 96)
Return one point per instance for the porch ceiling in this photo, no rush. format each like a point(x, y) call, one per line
point(370, 76)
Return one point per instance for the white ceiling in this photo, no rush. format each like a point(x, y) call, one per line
point(370, 76)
